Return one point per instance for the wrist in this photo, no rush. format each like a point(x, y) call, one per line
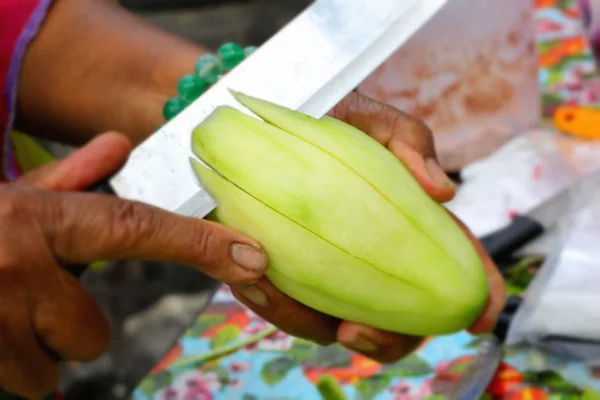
point(155, 85)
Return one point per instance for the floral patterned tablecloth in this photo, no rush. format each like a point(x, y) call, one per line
point(568, 71)
point(230, 353)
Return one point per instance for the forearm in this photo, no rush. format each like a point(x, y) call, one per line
point(95, 67)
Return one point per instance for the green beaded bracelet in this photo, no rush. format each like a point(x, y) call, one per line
point(208, 69)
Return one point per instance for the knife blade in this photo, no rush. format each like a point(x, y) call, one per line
point(500, 245)
point(524, 228)
point(309, 66)
point(480, 372)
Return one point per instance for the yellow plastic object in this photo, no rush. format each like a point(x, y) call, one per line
point(581, 122)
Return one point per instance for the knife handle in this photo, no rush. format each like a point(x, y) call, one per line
point(102, 187)
point(506, 316)
point(501, 244)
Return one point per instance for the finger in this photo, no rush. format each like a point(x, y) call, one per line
point(30, 372)
point(98, 159)
point(26, 369)
point(83, 227)
point(381, 346)
point(66, 318)
point(497, 299)
point(286, 313)
point(383, 122)
point(426, 171)
point(406, 137)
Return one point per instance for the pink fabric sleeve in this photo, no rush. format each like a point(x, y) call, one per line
point(19, 23)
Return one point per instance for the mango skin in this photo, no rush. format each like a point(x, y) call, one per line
point(347, 229)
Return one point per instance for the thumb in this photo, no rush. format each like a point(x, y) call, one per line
point(425, 170)
point(84, 227)
point(100, 158)
point(406, 137)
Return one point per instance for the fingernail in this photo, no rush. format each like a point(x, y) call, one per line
point(253, 294)
point(248, 257)
point(437, 173)
point(362, 344)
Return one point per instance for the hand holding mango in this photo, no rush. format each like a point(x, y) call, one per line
point(348, 229)
point(355, 281)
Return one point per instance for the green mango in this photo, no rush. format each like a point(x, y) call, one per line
point(347, 228)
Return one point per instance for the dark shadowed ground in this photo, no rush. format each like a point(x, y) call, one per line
point(150, 304)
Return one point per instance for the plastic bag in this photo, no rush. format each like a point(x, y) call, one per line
point(519, 176)
point(561, 309)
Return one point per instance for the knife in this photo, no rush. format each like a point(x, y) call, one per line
point(500, 245)
point(309, 66)
point(473, 382)
point(526, 227)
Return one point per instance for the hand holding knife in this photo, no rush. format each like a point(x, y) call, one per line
point(310, 65)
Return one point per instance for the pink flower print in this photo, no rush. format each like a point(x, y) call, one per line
point(426, 389)
point(441, 367)
point(400, 388)
point(239, 366)
point(262, 325)
point(406, 391)
point(253, 329)
point(201, 381)
point(406, 397)
point(278, 341)
point(193, 383)
point(235, 383)
point(574, 86)
point(169, 394)
point(275, 341)
point(198, 393)
point(198, 387)
point(546, 26)
point(277, 335)
point(578, 73)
